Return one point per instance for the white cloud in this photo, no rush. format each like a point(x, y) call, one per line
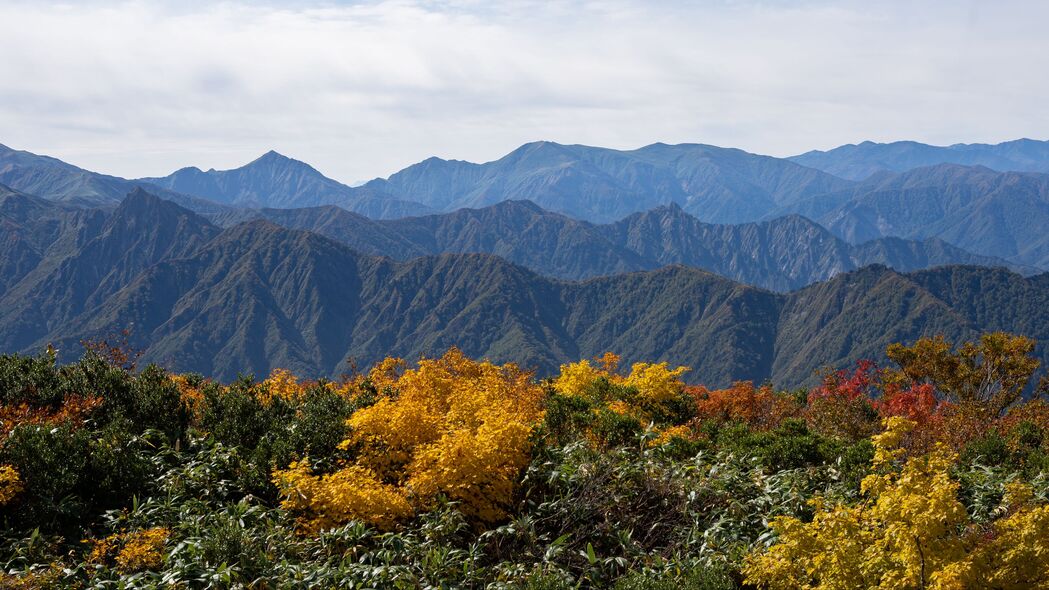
point(362, 89)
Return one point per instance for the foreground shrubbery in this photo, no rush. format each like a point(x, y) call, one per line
point(458, 473)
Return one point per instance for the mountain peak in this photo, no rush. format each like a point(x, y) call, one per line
point(139, 194)
point(542, 146)
point(272, 157)
point(542, 143)
point(519, 205)
point(140, 204)
point(671, 208)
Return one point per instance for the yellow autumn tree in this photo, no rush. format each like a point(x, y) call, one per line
point(451, 426)
point(655, 384)
point(281, 384)
point(910, 532)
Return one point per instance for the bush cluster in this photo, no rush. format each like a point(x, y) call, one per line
point(458, 473)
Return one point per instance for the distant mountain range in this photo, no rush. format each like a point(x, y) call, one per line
point(274, 180)
point(257, 296)
point(783, 254)
point(987, 212)
point(717, 185)
point(858, 162)
point(55, 180)
point(1001, 214)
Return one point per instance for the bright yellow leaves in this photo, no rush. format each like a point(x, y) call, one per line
point(575, 378)
point(132, 552)
point(281, 384)
point(655, 382)
point(10, 484)
point(350, 493)
point(887, 443)
point(451, 426)
point(1018, 555)
point(911, 532)
point(646, 395)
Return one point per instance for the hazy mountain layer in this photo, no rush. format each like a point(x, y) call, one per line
point(55, 180)
point(857, 162)
point(1000, 214)
point(274, 180)
point(598, 184)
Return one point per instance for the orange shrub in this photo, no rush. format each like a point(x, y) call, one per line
point(760, 408)
point(73, 411)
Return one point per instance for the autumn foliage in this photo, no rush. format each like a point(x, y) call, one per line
point(452, 426)
point(928, 471)
point(910, 531)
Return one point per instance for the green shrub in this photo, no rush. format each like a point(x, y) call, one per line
point(696, 578)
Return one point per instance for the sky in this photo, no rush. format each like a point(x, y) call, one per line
point(362, 89)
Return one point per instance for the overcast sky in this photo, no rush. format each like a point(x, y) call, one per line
point(361, 89)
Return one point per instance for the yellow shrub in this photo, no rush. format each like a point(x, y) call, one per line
point(192, 397)
point(1018, 555)
point(350, 493)
point(10, 484)
point(670, 433)
point(142, 550)
point(131, 552)
point(451, 426)
point(576, 377)
point(911, 532)
point(281, 384)
point(656, 382)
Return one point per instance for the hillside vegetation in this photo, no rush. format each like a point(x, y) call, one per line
point(929, 472)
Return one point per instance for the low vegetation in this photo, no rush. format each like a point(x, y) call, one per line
point(932, 472)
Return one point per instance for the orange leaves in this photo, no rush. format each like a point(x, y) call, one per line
point(917, 403)
point(760, 408)
point(191, 395)
point(73, 411)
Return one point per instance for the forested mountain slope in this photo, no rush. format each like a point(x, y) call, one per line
point(258, 296)
point(781, 254)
